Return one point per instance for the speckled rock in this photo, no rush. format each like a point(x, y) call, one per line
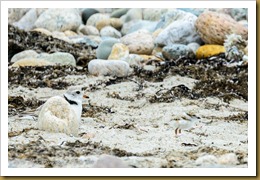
point(114, 22)
point(213, 27)
point(139, 42)
point(92, 21)
point(117, 68)
point(105, 47)
point(119, 51)
point(57, 19)
point(56, 115)
point(31, 62)
point(176, 51)
point(132, 14)
point(86, 13)
point(24, 55)
point(88, 30)
point(119, 12)
point(194, 47)
point(136, 25)
point(182, 32)
point(209, 50)
point(109, 31)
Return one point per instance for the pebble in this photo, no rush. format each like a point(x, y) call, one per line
point(176, 51)
point(61, 58)
point(132, 14)
point(109, 31)
point(31, 62)
point(119, 12)
point(88, 30)
point(209, 50)
point(15, 14)
point(57, 19)
point(136, 25)
point(57, 116)
point(24, 54)
point(27, 21)
point(92, 21)
point(194, 46)
point(153, 14)
point(100, 67)
point(114, 22)
point(139, 42)
point(70, 33)
point(105, 47)
point(108, 161)
point(119, 51)
point(86, 13)
point(213, 27)
point(182, 32)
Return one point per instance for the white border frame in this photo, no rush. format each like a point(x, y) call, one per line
point(250, 171)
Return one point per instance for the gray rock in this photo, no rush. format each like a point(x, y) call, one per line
point(133, 14)
point(27, 21)
point(194, 47)
point(182, 32)
point(110, 32)
point(139, 42)
point(88, 30)
point(119, 12)
point(92, 21)
point(153, 14)
point(61, 58)
point(176, 51)
point(108, 161)
point(136, 25)
point(105, 47)
point(56, 19)
point(27, 54)
point(100, 67)
point(15, 14)
point(87, 13)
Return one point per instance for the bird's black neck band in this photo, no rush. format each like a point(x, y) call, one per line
point(70, 101)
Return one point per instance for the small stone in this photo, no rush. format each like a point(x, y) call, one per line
point(209, 50)
point(117, 68)
point(136, 25)
point(31, 62)
point(87, 13)
point(27, 21)
point(228, 159)
point(57, 116)
point(57, 19)
point(24, 55)
point(133, 14)
point(15, 14)
point(109, 31)
point(114, 22)
point(119, 51)
point(92, 21)
point(119, 12)
point(105, 47)
point(61, 58)
point(108, 161)
point(194, 46)
point(176, 51)
point(139, 42)
point(88, 30)
point(213, 27)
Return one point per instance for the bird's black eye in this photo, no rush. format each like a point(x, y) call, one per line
point(78, 92)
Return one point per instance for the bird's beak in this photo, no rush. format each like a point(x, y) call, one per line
point(85, 96)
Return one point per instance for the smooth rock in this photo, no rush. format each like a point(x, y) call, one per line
point(214, 27)
point(117, 68)
point(108, 161)
point(153, 14)
point(56, 115)
point(132, 14)
point(206, 160)
point(15, 14)
point(176, 51)
point(182, 32)
point(228, 159)
point(209, 50)
point(87, 13)
point(119, 51)
point(194, 46)
point(105, 47)
point(88, 30)
point(27, 54)
point(119, 12)
point(31, 62)
point(139, 42)
point(114, 22)
point(57, 19)
point(136, 25)
point(61, 58)
point(109, 31)
point(27, 21)
point(92, 21)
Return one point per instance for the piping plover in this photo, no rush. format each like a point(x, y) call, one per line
point(62, 113)
point(185, 122)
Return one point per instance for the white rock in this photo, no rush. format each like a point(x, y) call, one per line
point(206, 160)
point(92, 21)
point(24, 54)
point(57, 116)
point(88, 30)
point(57, 19)
point(109, 31)
point(228, 159)
point(108, 161)
point(27, 21)
point(61, 58)
point(116, 68)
